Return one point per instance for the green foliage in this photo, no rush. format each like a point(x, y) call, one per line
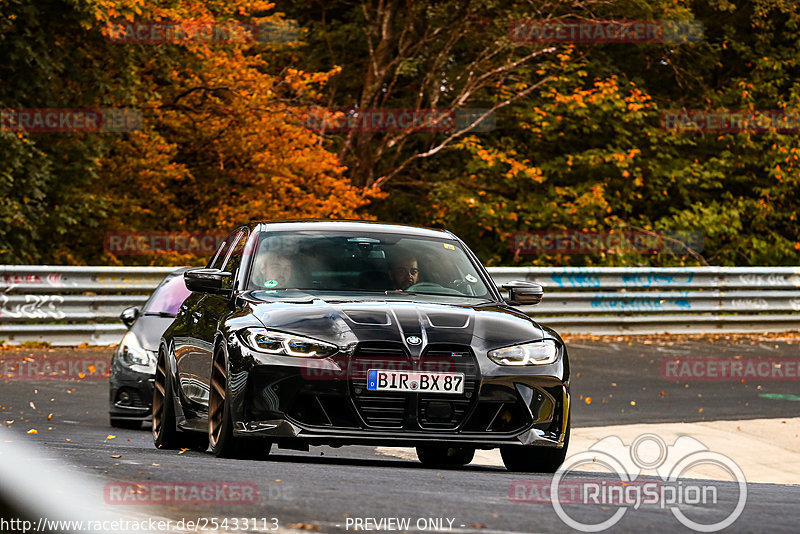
point(586, 151)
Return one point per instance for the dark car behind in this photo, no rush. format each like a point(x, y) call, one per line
point(133, 363)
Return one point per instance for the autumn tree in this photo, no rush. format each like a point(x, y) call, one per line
point(582, 148)
point(222, 139)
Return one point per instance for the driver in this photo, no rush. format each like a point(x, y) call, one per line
point(404, 272)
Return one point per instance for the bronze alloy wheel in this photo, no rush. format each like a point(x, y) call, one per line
point(220, 421)
point(166, 434)
point(216, 400)
point(159, 393)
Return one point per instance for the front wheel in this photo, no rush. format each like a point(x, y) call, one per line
point(220, 420)
point(445, 456)
point(165, 429)
point(533, 458)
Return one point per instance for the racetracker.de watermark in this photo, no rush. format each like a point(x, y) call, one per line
point(730, 370)
point(357, 368)
point(700, 505)
point(614, 242)
point(730, 121)
point(201, 31)
point(605, 31)
point(395, 120)
point(50, 367)
point(142, 243)
point(38, 120)
point(182, 493)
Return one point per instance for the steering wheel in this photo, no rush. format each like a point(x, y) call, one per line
point(430, 287)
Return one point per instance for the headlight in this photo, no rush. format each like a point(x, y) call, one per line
point(132, 351)
point(263, 340)
point(536, 353)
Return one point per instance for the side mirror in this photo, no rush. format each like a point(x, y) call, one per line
point(205, 280)
point(129, 316)
point(523, 293)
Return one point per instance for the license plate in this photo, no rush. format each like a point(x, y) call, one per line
point(415, 381)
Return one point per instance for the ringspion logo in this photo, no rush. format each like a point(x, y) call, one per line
point(700, 505)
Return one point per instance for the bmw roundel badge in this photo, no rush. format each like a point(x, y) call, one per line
point(413, 340)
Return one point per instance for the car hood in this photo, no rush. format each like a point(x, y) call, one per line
point(415, 323)
point(149, 328)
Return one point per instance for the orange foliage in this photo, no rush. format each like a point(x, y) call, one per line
point(223, 140)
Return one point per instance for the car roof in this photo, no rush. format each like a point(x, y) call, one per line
point(349, 226)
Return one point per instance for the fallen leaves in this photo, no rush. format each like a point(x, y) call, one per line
point(303, 526)
point(588, 400)
point(32, 431)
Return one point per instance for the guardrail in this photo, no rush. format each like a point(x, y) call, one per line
point(75, 305)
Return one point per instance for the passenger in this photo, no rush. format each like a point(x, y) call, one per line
point(272, 270)
point(404, 272)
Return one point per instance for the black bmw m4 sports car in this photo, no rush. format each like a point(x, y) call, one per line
point(335, 332)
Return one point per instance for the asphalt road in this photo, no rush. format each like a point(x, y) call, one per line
point(323, 489)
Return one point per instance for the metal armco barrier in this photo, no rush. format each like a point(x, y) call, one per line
point(71, 305)
point(75, 305)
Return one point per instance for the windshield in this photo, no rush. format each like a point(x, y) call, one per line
point(357, 262)
point(168, 297)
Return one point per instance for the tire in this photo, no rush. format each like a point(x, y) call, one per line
point(445, 456)
point(131, 424)
point(535, 459)
point(220, 419)
point(165, 429)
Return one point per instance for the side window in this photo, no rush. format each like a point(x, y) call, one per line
point(218, 259)
point(234, 259)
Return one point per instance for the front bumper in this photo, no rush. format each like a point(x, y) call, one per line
point(325, 402)
point(130, 393)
